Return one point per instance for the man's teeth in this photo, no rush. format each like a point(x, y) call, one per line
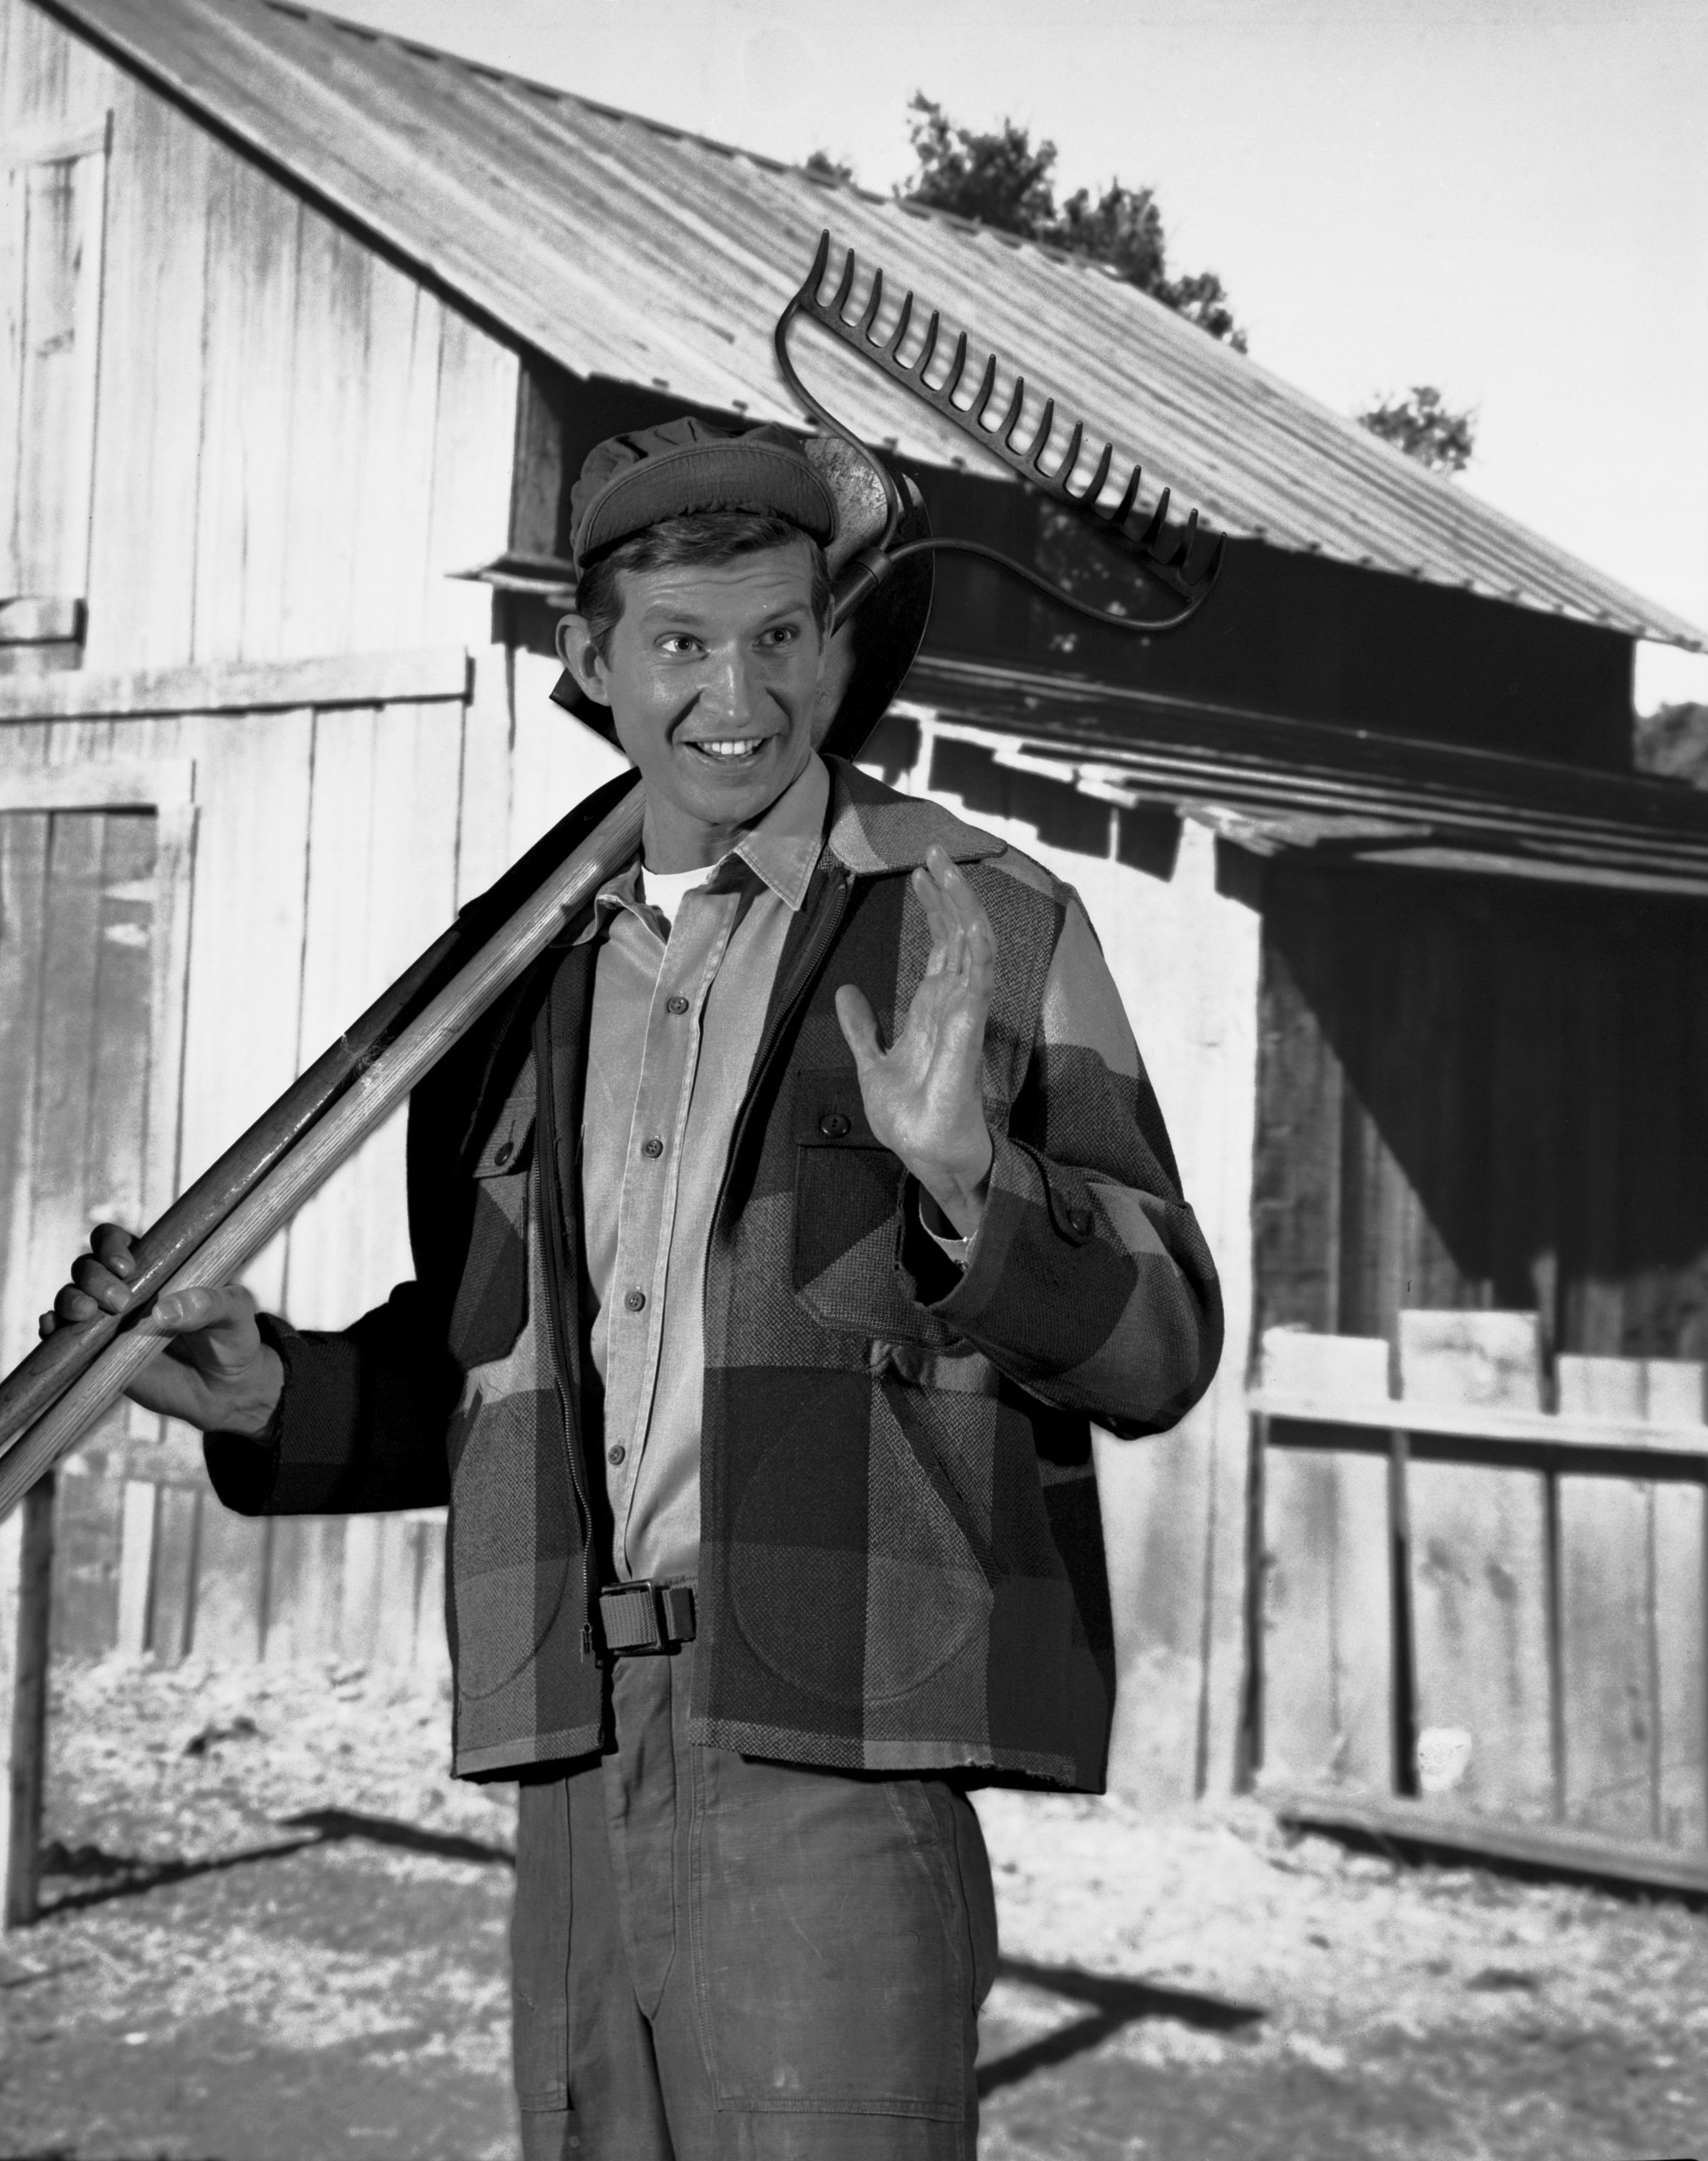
point(730, 747)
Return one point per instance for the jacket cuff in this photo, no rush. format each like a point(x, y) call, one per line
point(1043, 1283)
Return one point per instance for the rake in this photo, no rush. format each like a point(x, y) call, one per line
point(1167, 559)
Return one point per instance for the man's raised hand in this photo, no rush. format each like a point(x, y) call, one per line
point(924, 1096)
point(214, 1372)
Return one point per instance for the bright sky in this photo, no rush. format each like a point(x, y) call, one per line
point(1506, 198)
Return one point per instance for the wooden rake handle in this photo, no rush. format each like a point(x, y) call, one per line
point(50, 1401)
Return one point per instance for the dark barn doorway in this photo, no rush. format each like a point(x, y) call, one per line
point(1484, 1093)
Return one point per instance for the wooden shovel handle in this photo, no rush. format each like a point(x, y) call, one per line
point(51, 1396)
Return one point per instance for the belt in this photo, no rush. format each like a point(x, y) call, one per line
point(637, 1619)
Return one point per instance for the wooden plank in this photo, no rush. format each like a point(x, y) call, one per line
point(141, 586)
point(135, 1576)
point(1480, 1573)
point(172, 1589)
point(359, 1606)
point(56, 140)
point(432, 1649)
point(246, 930)
point(114, 784)
point(1542, 1430)
point(87, 1548)
point(418, 675)
point(253, 235)
point(23, 913)
point(305, 1579)
point(27, 1766)
point(14, 200)
point(392, 479)
point(65, 1050)
point(1296, 1198)
point(398, 1573)
point(231, 1585)
point(382, 881)
point(473, 465)
point(1327, 1649)
point(1608, 1647)
point(329, 419)
point(483, 850)
point(1554, 1847)
point(555, 760)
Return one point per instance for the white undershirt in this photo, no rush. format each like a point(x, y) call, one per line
point(664, 889)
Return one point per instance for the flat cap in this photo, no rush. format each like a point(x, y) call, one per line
point(633, 480)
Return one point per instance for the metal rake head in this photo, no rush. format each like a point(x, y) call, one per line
point(1166, 556)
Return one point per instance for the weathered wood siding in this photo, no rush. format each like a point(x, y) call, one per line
point(202, 951)
point(295, 442)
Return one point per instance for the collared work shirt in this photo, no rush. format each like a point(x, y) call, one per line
point(675, 1027)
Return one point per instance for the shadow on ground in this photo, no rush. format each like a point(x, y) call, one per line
point(109, 1876)
point(1113, 2002)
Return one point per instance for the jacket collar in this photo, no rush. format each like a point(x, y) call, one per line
point(875, 829)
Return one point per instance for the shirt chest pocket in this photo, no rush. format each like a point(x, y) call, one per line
point(848, 1196)
point(492, 1299)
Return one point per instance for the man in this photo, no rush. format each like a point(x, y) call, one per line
point(775, 1239)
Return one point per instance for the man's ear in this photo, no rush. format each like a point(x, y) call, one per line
point(581, 657)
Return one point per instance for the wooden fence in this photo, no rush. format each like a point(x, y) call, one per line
point(154, 1567)
point(1457, 1593)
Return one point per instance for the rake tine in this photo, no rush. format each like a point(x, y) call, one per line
point(1006, 431)
point(840, 300)
point(815, 276)
point(1129, 495)
point(976, 411)
point(957, 367)
point(1096, 487)
point(892, 350)
point(1040, 442)
point(872, 306)
point(1065, 470)
point(1147, 540)
point(1189, 535)
point(930, 346)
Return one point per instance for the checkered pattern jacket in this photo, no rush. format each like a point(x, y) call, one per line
point(901, 1557)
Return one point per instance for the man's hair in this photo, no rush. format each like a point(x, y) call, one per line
point(710, 537)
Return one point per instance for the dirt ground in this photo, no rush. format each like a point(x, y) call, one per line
point(276, 1933)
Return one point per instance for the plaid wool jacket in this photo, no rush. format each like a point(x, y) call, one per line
point(901, 1562)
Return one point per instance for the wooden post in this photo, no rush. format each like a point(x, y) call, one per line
point(1249, 1754)
point(29, 1707)
point(1405, 1671)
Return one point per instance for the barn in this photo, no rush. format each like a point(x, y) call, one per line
point(306, 331)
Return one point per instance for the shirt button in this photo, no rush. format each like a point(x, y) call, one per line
point(677, 1005)
point(636, 1300)
point(1079, 1222)
point(833, 1125)
point(504, 1154)
point(616, 1455)
point(653, 1147)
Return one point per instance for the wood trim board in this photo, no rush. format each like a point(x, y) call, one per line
point(421, 676)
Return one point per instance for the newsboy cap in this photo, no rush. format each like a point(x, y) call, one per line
point(633, 480)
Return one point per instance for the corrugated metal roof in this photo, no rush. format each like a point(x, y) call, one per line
point(1279, 786)
point(627, 249)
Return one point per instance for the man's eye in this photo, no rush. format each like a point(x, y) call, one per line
point(783, 633)
point(677, 641)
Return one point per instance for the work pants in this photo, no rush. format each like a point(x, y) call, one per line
point(716, 1957)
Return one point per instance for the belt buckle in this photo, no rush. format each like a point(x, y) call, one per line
point(640, 1620)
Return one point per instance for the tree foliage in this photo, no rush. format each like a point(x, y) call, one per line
point(824, 167)
point(1002, 179)
point(1423, 425)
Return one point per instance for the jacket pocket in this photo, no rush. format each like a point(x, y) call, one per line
point(848, 1198)
point(492, 1299)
